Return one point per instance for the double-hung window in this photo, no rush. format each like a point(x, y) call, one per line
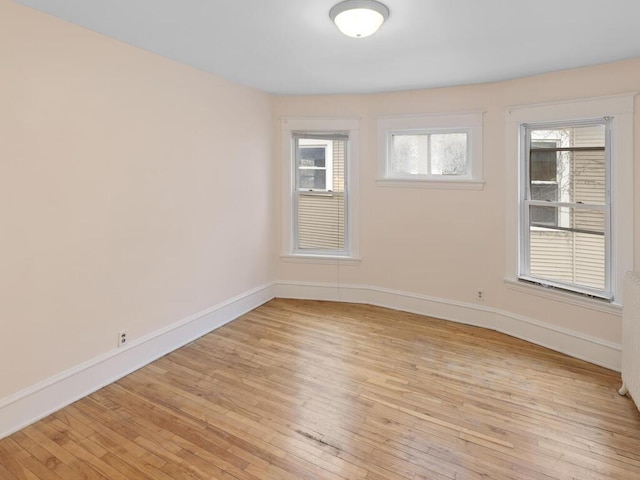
point(566, 205)
point(320, 199)
point(319, 189)
point(570, 190)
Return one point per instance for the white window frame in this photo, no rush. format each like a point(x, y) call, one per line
point(323, 125)
point(561, 220)
point(469, 123)
point(524, 260)
point(328, 167)
point(620, 109)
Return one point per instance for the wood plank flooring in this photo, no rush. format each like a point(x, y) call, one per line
point(314, 390)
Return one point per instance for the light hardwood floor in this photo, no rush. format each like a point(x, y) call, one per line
point(314, 390)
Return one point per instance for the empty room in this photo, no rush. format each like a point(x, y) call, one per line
point(341, 240)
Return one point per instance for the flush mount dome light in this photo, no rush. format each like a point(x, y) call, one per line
point(359, 18)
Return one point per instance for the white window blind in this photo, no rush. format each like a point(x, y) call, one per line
point(320, 198)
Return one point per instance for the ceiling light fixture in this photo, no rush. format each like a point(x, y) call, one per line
point(359, 18)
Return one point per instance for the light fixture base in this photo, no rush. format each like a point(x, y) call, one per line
point(359, 18)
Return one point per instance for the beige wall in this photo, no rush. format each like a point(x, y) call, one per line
point(134, 192)
point(450, 243)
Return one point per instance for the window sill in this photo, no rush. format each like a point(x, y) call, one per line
point(438, 184)
point(564, 297)
point(321, 259)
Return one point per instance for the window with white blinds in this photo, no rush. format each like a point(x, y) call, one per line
point(319, 187)
point(320, 199)
point(566, 206)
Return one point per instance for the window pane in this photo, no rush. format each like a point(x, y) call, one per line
point(312, 157)
point(544, 165)
point(312, 179)
point(544, 216)
point(576, 137)
point(321, 222)
point(588, 220)
point(449, 154)
point(568, 257)
point(585, 180)
point(544, 191)
point(582, 219)
point(564, 255)
point(580, 174)
point(410, 154)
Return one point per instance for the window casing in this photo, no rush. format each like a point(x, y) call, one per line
point(620, 109)
point(442, 151)
point(565, 203)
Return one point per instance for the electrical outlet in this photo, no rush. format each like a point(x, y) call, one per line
point(480, 295)
point(122, 338)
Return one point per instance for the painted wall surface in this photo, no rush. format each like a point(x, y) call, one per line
point(450, 243)
point(134, 192)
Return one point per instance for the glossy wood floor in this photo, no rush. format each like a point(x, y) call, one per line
point(313, 390)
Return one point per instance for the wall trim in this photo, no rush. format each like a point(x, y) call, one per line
point(558, 295)
point(44, 398)
point(575, 344)
point(435, 184)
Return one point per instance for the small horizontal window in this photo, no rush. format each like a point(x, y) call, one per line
point(428, 154)
point(440, 148)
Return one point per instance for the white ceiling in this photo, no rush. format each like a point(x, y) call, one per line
point(291, 46)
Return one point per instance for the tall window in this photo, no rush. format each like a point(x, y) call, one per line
point(565, 212)
point(570, 185)
point(320, 197)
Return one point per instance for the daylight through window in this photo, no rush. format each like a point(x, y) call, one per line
point(428, 153)
point(565, 206)
point(320, 200)
point(431, 151)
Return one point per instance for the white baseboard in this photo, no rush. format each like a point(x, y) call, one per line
point(575, 344)
point(36, 402)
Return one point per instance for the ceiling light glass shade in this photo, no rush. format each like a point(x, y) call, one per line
point(359, 18)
